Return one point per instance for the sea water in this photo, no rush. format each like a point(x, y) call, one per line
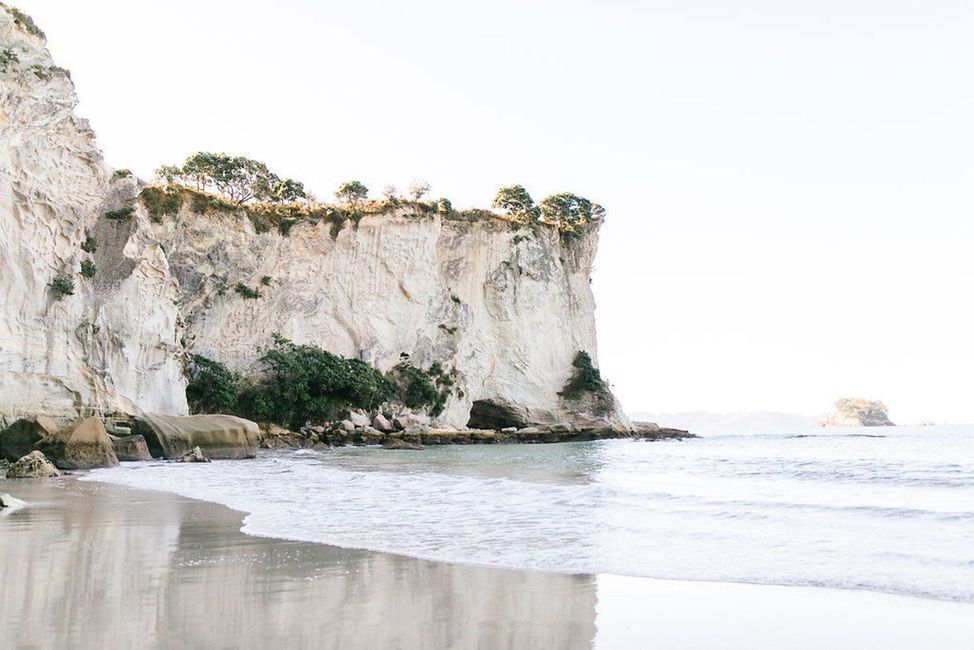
point(883, 509)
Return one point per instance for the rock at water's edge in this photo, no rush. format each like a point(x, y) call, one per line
point(82, 445)
point(19, 438)
point(218, 436)
point(399, 443)
point(33, 465)
point(194, 456)
point(131, 449)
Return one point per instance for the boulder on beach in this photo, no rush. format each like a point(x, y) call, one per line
point(382, 423)
point(131, 449)
point(32, 465)
point(19, 438)
point(217, 436)
point(359, 419)
point(82, 445)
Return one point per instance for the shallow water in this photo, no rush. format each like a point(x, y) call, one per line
point(888, 509)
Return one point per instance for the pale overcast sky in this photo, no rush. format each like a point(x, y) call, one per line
point(789, 184)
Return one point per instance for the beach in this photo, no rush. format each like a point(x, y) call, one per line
point(90, 565)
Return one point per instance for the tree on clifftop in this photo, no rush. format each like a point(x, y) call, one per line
point(351, 192)
point(238, 178)
point(570, 209)
point(516, 201)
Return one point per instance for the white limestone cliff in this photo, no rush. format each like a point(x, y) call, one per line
point(505, 308)
point(112, 346)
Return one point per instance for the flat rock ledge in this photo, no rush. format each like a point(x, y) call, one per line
point(273, 437)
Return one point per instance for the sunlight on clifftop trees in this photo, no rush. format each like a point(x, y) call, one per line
point(235, 177)
point(218, 181)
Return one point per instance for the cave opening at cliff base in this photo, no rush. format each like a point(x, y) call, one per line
point(492, 414)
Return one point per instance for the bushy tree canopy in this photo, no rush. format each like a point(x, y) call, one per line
point(570, 209)
point(303, 382)
point(238, 178)
point(211, 388)
point(351, 192)
point(514, 199)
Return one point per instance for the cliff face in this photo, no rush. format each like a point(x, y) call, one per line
point(503, 308)
point(506, 308)
point(111, 345)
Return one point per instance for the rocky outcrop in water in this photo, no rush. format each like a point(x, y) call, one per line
point(131, 449)
point(858, 413)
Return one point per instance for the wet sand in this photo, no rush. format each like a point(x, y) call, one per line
point(89, 565)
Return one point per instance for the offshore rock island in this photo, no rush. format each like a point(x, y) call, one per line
point(331, 324)
point(856, 412)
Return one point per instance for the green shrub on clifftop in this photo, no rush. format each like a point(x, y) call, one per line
point(160, 202)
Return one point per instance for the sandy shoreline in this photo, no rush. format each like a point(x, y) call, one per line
point(93, 565)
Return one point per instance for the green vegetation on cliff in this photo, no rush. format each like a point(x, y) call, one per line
point(212, 388)
point(23, 21)
point(586, 383)
point(238, 178)
point(61, 285)
point(303, 383)
point(216, 181)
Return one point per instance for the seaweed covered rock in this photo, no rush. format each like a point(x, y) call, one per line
point(33, 465)
point(82, 445)
point(217, 436)
point(19, 438)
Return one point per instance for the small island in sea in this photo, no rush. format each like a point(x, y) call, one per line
point(857, 412)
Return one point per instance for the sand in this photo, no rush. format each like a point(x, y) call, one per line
point(89, 565)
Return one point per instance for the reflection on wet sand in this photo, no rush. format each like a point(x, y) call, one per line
point(92, 565)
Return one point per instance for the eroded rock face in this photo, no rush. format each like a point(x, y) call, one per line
point(505, 307)
point(19, 438)
point(82, 445)
point(33, 465)
point(113, 344)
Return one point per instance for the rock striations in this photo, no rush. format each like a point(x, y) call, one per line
point(503, 307)
point(111, 344)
